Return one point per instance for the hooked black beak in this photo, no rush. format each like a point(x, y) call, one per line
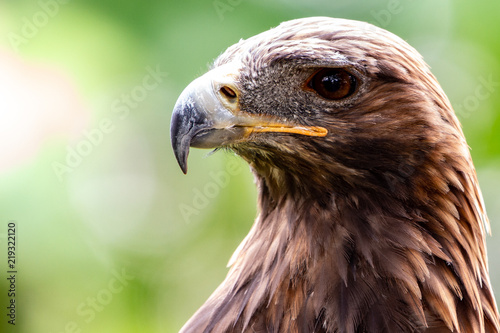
point(207, 115)
point(186, 123)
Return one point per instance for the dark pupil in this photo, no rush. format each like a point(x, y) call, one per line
point(332, 82)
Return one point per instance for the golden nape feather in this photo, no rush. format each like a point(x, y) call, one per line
point(370, 214)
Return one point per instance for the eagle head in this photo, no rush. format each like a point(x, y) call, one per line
point(371, 219)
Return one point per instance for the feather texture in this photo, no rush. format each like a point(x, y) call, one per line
point(379, 226)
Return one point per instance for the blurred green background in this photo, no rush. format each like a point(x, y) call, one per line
point(111, 236)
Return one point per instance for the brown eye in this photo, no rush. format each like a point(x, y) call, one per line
point(333, 83)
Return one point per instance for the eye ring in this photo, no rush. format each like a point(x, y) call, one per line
point(333, 83)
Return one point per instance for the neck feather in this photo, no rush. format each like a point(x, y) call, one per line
point(367, 260)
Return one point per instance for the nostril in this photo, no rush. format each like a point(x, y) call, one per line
point(228, 92)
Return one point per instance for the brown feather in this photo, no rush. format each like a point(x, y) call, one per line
point(378, 227)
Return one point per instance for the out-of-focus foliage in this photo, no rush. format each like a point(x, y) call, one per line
point(111, 236)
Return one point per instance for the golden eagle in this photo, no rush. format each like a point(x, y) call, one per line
point(370, 215)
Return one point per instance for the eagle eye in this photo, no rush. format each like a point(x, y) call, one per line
point(333, 83)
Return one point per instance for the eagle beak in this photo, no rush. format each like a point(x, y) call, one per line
point(207, 115)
